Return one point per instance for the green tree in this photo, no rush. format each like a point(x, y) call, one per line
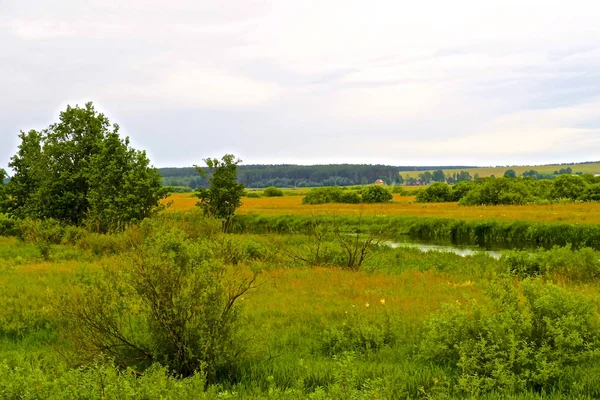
point(3, 195)
point(425, 177)
point(272, 191)
point(224, 195)
point(510, 173)
point(376, 194)
point(23, 186)
point(438, 176)
point(436, 193)
point(568, 187)
point(79, 168)
point(125, 188)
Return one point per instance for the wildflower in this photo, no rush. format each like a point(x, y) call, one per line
point(382, 301)
point(366, 304)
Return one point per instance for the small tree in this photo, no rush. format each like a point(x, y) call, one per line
point(376, 194)
point(224, 195)
point(438, 176)
point(272, 191)
point(510, 173)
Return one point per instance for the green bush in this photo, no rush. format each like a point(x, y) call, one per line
point(582, 264)
point(7, 225)
point(272, 191)
point(323, 195)
point(255, 195)
point(376, 194)
point(168, 301)
point(43, 233)
point(523, 339)
point(435, 193)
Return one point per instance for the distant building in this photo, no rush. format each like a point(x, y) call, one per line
point(379, 182)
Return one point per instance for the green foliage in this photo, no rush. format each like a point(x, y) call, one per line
point(512, 345)
point(438, 176)
point(290, 176)
point(272, 191)
point(168, 301)
point(3, 194)
point(79, 170)
point(42, 233)
point(482, 233)
point(224, 195)
point(434, 193)
point(513, 191)
point(510, 173)
point(323, 195)
point(250, 194)
point(7, 225)
point(376, 194)
point(568, 187)
point(101, 380)
point(358, 333)
point(581, 264)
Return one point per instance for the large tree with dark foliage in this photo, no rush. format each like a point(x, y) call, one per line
point(79, 170)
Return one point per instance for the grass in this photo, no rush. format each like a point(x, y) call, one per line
point(592, 168)
point(582, 213)
point(302, 325)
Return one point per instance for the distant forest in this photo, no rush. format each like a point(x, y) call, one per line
point(259, 176)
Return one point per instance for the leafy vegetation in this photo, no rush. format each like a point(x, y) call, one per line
point(511, 191)
point(369, 194)
point(224, 195)
point(290, 176)
point(272, 191)
point(79, 171)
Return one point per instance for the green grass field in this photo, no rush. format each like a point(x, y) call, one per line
point(319, 325)
point(593, 168)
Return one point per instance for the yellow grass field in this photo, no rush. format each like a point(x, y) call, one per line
point(483, 172)
point(585, 213)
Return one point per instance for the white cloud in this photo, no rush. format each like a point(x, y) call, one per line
point(458, 79)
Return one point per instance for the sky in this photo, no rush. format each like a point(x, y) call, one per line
point(303, 82)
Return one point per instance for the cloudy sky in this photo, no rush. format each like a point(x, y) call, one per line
point(287, 81)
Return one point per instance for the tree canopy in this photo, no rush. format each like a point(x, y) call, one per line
point(224, 195)
point(79, 170)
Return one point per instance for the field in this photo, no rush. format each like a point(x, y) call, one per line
point(588, 213)
point(592, 168)
point(318, 324)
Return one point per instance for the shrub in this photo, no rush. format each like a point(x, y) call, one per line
point(568, 187)
point(435, 193)
point(323, 195)
point(272, 191)
point(524, 339)
point(252, 194)
point(376, 194)
point(350, 198)
point(581, 264)
point(7, 225)
point(167, 301)
point(43, 233)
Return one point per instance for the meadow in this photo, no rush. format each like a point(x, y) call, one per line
point(400, 323)
point(576, 213)
point(483, 172)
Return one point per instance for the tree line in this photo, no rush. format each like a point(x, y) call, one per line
point(287, 175)
point(514, 191)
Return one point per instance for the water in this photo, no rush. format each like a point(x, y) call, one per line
point(462, 251)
